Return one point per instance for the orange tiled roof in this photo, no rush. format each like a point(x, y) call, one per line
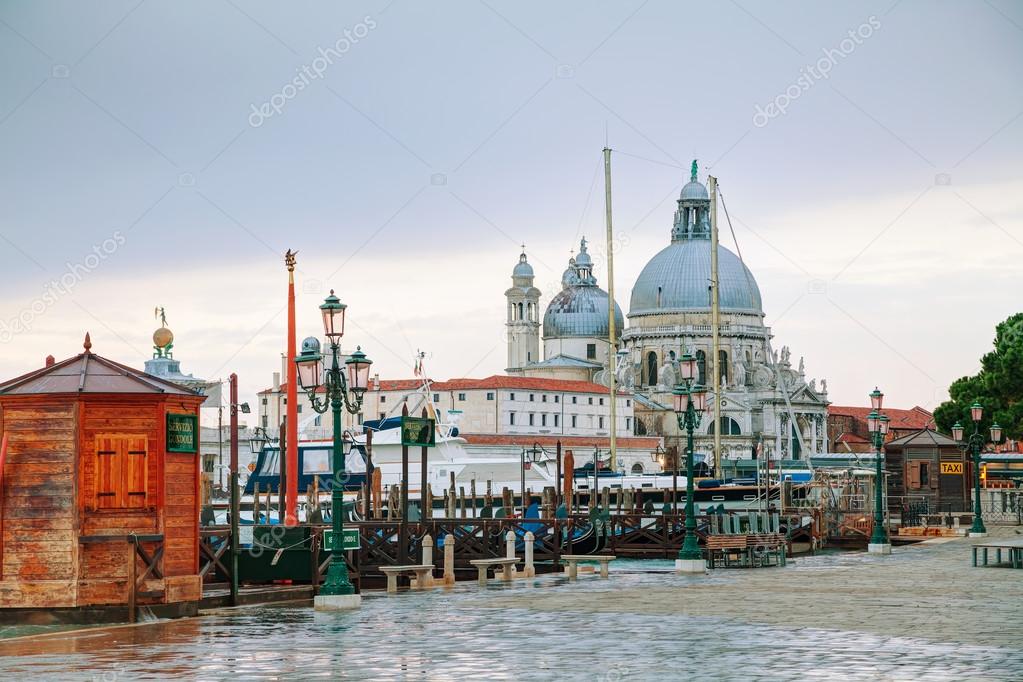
point(915, 418)
point(847, 437)
point(525, 440)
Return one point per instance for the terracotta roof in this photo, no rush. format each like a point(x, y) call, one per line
point(847, 437)
point(915, 418)
point(567, 442)
point(493, 382)
point(90, 373)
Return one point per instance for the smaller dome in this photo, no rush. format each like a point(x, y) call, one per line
point(522, 268)
point(583, 260)
point(694, 191)
point(571, 277)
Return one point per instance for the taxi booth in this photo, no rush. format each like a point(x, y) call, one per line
point(99, 492)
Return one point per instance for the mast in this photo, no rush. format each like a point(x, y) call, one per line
point(291, 444)
point(715, 321)
point(612, 349)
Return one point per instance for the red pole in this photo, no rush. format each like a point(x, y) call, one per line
point(291, 498)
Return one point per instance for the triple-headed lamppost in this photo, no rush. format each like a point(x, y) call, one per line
point(690, 403)
point(877, 425)
point(337, 592)
point(975, 443)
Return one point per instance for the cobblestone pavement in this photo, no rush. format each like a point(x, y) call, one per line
point(921, 614)
point(929, 591)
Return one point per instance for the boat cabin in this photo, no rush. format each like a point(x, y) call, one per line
point(314, 462)
point(99, 491)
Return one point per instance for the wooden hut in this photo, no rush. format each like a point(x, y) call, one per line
point(926, 467)
point(99, 492)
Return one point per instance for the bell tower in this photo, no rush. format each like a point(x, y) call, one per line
point(523, 316)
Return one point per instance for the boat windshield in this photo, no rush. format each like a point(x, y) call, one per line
point(316, 461)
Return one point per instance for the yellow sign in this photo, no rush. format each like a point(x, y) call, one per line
point(952, 468)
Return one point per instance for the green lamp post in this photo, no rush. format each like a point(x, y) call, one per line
point(974, 445)
point(337, 591)
point(877, 425)
point(690, 402)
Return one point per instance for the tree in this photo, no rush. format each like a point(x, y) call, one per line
point(998, 386)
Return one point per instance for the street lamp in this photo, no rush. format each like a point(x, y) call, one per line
point(877, 425)
point(535, 454)
point(690, 401)
point(258, 440)
point(337, 591)
point(974, 444)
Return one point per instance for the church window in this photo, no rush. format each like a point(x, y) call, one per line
point(729, 427)
point(658, 297)
point(591, 351)
point(701, 366)
point(723, 366)
point(520, 311)
point(651, 368)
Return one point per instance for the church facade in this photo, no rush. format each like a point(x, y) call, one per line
point(769, 407)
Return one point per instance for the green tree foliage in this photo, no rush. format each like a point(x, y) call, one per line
point(998, 386)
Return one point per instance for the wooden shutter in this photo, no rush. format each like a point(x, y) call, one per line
point(135, 459)
point(913, 470)
point(121, 471)
point(108, 473)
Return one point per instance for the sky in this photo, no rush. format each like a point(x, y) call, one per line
point(168, 154)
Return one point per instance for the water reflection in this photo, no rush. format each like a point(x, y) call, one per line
point(453, 634)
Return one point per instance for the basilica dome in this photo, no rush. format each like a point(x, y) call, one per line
point(580, 308)
point(678, 280)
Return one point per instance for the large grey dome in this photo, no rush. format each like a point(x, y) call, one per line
point(694, 191)
point(580, 311)
point(677, 279)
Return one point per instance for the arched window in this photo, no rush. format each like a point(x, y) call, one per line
point(729, 427)
point(637, 468)
point(701, 366)
point(521, 310)
point(796, 448)
point(651, 368)
point(722, 366)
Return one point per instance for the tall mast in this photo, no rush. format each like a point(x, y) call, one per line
point(715, 321)
point(291, 442)
point(612, 348)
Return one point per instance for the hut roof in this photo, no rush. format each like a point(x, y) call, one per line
point(90, 373)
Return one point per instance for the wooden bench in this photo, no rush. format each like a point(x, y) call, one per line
point(484, 565)
point(423, 574)
point(1013, 547)
point(727, 546)
point(573, 561)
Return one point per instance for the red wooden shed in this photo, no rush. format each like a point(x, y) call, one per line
point(99, 492)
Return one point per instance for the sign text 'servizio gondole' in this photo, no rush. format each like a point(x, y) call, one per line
point(418, 431)
point(182, 433)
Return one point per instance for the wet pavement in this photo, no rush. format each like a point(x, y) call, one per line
point(840, 616)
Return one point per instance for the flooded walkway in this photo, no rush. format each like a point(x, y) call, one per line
point(921, 614)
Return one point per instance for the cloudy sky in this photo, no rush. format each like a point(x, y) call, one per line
point(168, 154)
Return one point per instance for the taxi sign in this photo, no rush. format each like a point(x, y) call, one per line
point(952, 468)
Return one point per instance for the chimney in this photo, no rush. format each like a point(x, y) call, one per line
point(277, 382)
point(49, 361)
point(376, 381)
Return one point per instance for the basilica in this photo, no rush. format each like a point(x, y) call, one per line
point(769, 407)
